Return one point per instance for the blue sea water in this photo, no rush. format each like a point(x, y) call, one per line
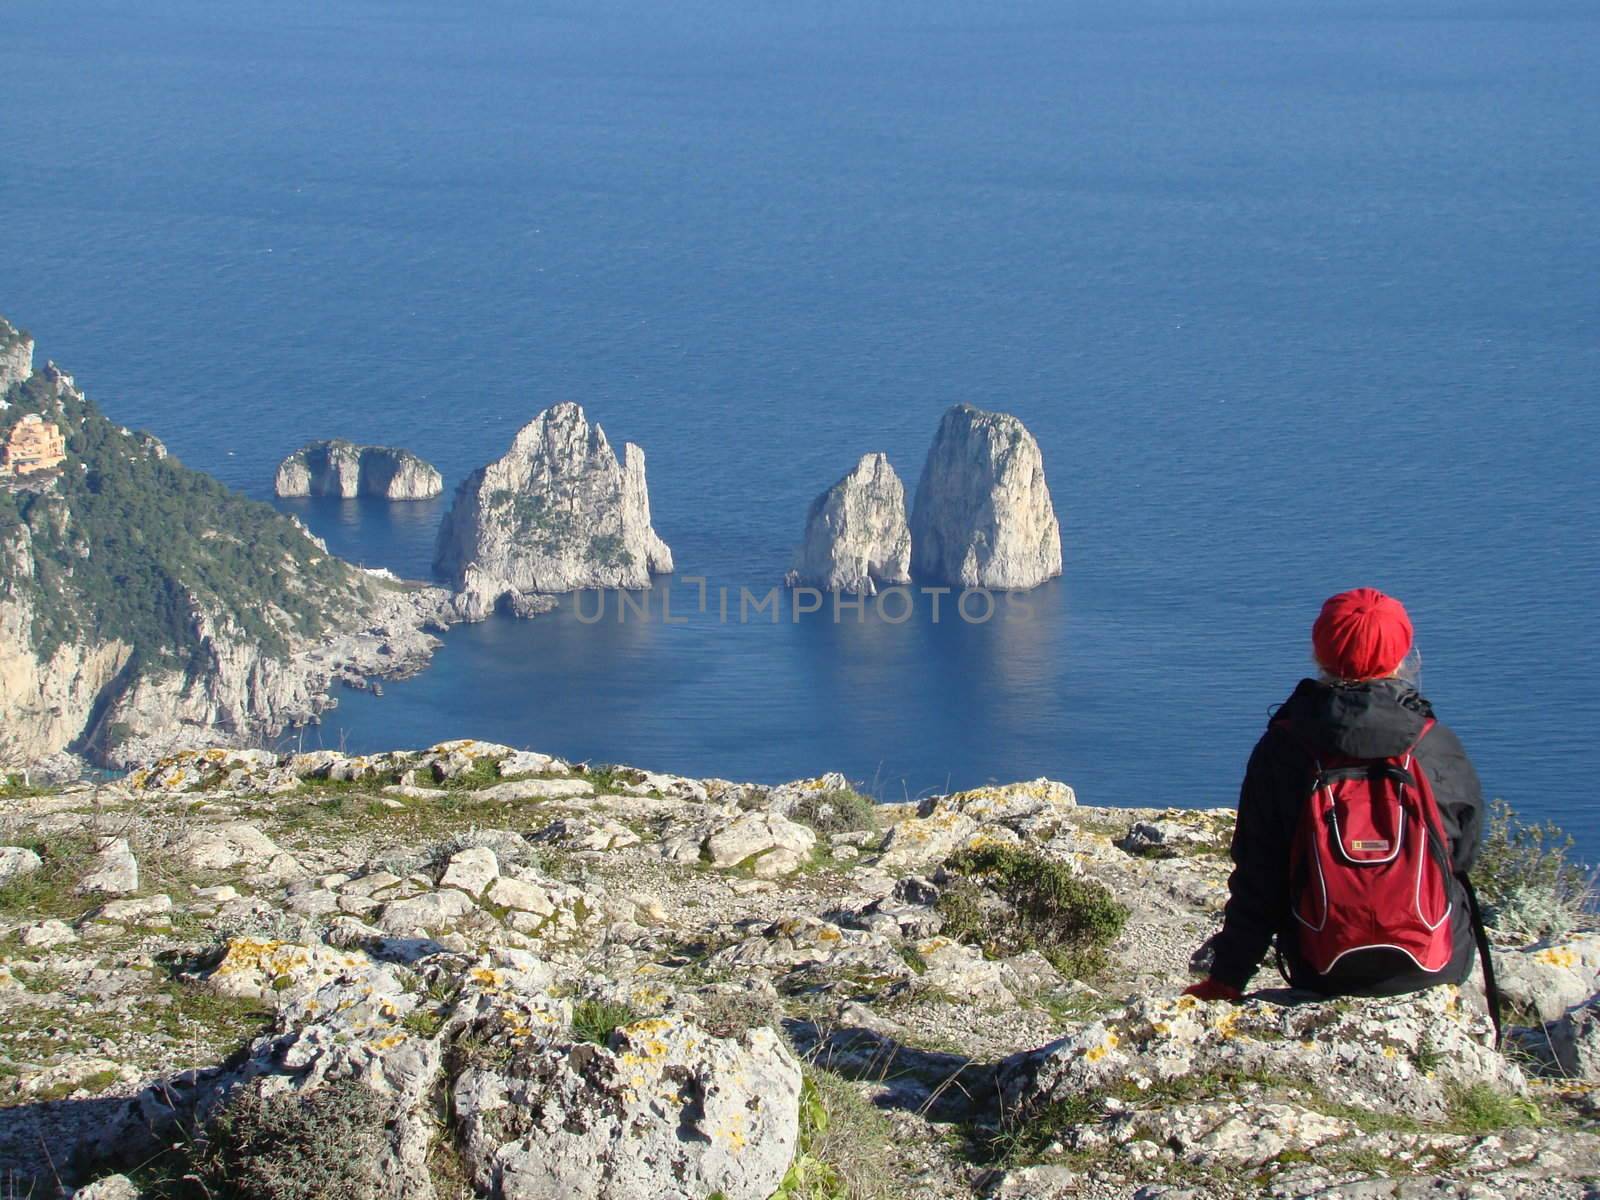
point(1294, 296)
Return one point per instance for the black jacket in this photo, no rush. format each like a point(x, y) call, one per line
point(1376, 719)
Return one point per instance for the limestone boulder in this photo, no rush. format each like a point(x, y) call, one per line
point(220, 847)
point(432, 913)
point(664, 1112)
point(1551, 977)
point(17, 861)
point(472, 870)
point(114, 870)
point(769, 844)
point(926, 839)
point(1400, 1055)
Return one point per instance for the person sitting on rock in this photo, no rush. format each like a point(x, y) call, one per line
point(1358, 819)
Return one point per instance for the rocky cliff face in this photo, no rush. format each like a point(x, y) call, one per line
point(983, 515)
point(856, 534)
point(144, 606)
point(479, 971)
point(339, 468)
point(231, 689)
point(558, 512)
point(16, 355)
point(46, 699)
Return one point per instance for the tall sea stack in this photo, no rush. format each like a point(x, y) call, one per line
point(983, 516)
point(856, 533)
point(557, 513)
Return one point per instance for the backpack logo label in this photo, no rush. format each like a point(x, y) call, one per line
point(1369, 844)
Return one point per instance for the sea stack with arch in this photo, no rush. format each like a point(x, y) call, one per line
point(339, 468)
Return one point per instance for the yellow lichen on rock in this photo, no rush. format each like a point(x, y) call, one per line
point(1558, 956)
point(1098, 1051)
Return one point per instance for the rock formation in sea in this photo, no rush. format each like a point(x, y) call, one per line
point(558, 512)
point(144, 606)
point(340, 468)
point(474, 971)
point(856, 535)
point(983, 515)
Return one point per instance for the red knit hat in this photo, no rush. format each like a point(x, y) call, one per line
point(1361, 634)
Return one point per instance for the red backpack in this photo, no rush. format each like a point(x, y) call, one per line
point(1369, 868)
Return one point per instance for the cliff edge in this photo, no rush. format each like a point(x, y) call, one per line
point(480, 971)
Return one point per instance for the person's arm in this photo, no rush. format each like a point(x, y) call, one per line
point(1258, 889)
point(1457, 792)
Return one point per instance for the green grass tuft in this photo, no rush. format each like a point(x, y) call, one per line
point(596, 1020)
point(1008, 901)
point(1480, 1108)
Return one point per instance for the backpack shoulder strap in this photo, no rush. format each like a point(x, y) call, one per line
point(1491, 989)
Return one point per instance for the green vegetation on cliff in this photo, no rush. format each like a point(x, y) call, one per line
point(128, 545)
point(10, 335)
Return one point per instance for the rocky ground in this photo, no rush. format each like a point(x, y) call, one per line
point(477, 971)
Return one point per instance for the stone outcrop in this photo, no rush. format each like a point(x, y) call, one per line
point(662, 1112)
point(983, 515)
point(557, 513)
point(557, 981)
point(16, 356)
point(340, 468)
point(856, 534)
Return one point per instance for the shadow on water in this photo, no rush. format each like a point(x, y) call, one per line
point(892, 692)
point(397, 535)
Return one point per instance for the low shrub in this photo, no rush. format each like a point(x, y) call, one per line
point(1007, 900)
point(296, 1146)
point(838, 810)
point(1527, 879)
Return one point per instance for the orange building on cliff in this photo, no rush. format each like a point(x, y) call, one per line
point(35, 446)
